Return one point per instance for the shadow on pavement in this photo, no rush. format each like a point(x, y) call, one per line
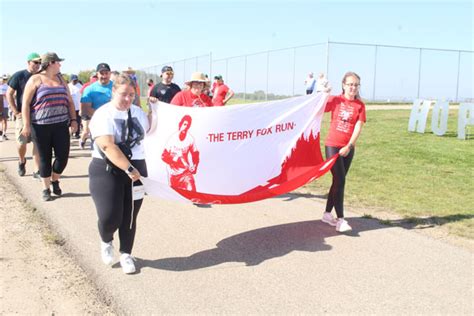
point(76, 176)
point(5, 159)
point(428, 222)
point(74, 195)
point(293, 196)
point(256, 246)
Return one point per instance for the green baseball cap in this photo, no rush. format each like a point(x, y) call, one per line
point(34, 57)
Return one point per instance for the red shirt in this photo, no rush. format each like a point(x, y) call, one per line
point(187, 98)
point(88, 83)
point(344, 116)
point(219, 93)
point(149, 90)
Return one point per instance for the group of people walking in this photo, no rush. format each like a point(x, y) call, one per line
point(46, 113)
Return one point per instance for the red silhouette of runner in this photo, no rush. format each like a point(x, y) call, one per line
point(182, 157)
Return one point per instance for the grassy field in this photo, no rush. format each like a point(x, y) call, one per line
point(424, 178)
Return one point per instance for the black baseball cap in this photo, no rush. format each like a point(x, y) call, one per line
point(166, 69)
point(102, 66)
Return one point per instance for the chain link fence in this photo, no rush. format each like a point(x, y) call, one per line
point(388, 73)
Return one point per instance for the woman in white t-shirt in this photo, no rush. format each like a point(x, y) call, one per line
point(118, 129)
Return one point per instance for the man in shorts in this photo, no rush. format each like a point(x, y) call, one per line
point(16, 85)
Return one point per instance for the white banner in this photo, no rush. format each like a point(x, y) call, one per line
point(234, 154)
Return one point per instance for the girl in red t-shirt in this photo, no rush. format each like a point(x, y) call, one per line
point(347, 118)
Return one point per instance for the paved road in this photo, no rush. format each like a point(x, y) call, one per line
point(270, 257)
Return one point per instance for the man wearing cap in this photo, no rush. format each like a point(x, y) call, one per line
point(4, 107)
point(165, 90)
point(221, 92)
point(16, 86)
point(75, 90)
point(94, 96)
point(194, 96)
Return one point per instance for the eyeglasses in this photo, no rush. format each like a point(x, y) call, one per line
point(353, 85)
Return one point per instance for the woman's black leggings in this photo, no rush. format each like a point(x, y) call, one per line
point(339, 171)
point(48, 138)
point(112, 195)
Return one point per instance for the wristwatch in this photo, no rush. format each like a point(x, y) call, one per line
point(129, 169)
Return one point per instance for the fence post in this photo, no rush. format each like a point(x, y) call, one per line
point(184, 70)
point(419, 74)
point(294, 70)
point(327, 59)
point(227, 69)
point(459, 70)
point(210, 67)
point(268, 73)
point(375, 73)
point(245, 79)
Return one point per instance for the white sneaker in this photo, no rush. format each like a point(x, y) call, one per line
point(126, 261)
point(342, 225)
point(107, 252)
point(328, 218)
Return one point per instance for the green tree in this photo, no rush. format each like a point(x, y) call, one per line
point(84, 75)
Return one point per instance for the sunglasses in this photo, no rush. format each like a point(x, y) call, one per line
point(169, 73)
point(354, 85)
point(35, 62)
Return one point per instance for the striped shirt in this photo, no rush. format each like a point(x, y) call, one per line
point(50, 106)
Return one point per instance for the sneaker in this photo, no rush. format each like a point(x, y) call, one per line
point(56, 189)
point(47, 195)
point(4, 137)
point(126, 261)
point(36, 175)
point(328, 218)
point(21, 168)
point(342, 225)
point(107, 252)
point(82, 144)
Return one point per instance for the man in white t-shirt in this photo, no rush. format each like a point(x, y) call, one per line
point(4, 107)
point(75, 90)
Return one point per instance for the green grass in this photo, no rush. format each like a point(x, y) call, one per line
point(418, 176)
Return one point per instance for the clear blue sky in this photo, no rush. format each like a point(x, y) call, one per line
point(142, 33)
